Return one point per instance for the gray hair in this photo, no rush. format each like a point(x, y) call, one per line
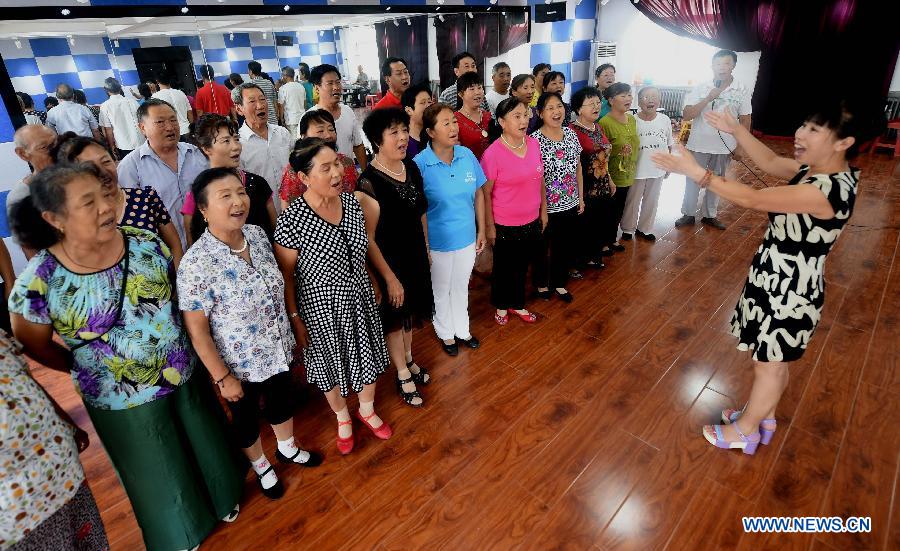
point(112, 85)
point(65, 92)
point(646, 89)
point(25, 134)
point(237, 94)
point(497, 66)
point(288, 72)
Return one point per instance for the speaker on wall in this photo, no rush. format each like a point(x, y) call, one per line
point(547, 13)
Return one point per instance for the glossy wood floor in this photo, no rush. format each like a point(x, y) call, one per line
point(583, 430)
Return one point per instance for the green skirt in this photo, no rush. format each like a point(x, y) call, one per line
point(175, 462)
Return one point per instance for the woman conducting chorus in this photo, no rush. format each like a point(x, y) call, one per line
point(782, 300)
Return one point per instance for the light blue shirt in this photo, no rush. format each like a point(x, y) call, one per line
point(143, 167)
point(450, 190)
point(74, 117)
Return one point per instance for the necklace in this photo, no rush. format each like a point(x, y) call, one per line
point(389, 171)
point(590, 128)
point(242, 249)
point(477, 121)
point(511, 146)
point(80, 265)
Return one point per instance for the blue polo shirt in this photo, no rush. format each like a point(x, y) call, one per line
point(450, 190)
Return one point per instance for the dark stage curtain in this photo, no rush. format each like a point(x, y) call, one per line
point(407, 41)
point(836, 47)
point(451, 39)
point(484, 35)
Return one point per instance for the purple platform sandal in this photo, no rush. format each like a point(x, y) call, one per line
point(747, 444)
point(766, 426)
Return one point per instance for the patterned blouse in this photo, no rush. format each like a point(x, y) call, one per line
point(243, 302)
point(594, 161)
point(292, 187)
point(560, 169)
point(39, 467)
point(144, 209)
point(123, 360)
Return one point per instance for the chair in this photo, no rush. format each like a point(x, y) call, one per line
point(372, 99)
point(886, 142)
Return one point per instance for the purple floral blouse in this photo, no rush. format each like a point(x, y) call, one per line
point(142, 355)
point(560, 169)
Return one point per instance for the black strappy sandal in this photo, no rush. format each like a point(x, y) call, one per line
point(314, 459)
point(422, 377)
point(276, 491)
point(408, 397)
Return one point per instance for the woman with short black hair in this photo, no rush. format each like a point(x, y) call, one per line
point(393, 200)
point(474, 122)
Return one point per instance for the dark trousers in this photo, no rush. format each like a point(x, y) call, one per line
point(122, 152)
point(515, 249)
point(592, 225)
point(277, 407)
point(559, 239)
point(611, 224)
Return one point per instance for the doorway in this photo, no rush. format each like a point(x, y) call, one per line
point(176, 60)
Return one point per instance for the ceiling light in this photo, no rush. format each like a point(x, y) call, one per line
point(387, 8)
point(18, 44)
point(396, 24)
point(470, 15)
point(65, 11)
point(265, 35)
point(441, 2)
point(184, 9)
point(71, 39)
point(231, 37)
point(548, 1)
point(441, 17)
point(116, 43)
point(82, 1)
point(437, 8)
point(221, 1)
point(408, 22)
point(287, 8)
point(493, 2)
point(604, 2)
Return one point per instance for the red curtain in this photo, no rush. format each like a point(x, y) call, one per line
point(844, 48)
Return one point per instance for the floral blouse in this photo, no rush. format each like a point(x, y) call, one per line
point(292, 187)
point(124, 360)
point(39, 467)
point(594, 161)
point(243, 302)
point(560, 169)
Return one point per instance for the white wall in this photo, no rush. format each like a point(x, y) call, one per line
point(647, 52)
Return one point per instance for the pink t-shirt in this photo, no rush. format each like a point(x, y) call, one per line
point(518, 182)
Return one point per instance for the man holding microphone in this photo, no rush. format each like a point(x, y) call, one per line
point(711, 148)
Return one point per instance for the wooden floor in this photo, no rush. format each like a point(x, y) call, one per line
point(583, 430)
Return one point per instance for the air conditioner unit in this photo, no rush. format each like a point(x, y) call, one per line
point(602, 52)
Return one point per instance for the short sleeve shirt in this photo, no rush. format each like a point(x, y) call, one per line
point(655, 135)
point(137, 357)
point(622, 167)
point(243, 301)
point(518, 182)
point(144, 210)
point(179, 101)
point(560, 169)
point(706, 139)
point(450, 191)
point(349, 131)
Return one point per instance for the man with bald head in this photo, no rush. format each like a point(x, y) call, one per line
point(33, 143)
point(69, 116)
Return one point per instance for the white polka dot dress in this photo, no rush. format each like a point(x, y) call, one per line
point(335, 296)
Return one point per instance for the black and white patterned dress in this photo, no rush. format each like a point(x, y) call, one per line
point(334, 296)
point(782, 300)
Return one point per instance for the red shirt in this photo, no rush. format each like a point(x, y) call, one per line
point(389, 100)
point(474, 136)
point(215, 99)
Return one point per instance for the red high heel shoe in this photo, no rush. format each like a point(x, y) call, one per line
point(384, 431)
point(345, 445)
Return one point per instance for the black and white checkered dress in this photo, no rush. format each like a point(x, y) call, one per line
point(334, 296)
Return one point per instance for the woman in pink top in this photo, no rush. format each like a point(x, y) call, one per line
point(515, 208)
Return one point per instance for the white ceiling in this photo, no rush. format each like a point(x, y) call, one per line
point(171, 26)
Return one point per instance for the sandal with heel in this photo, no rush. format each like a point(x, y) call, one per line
point(422, 377)
point(766, 426)
point(408, 397)
point(747, 444)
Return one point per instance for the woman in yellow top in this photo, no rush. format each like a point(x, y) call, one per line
point(620, 127)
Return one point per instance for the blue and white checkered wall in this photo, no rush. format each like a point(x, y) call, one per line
point(566, 44)
point(37, 65)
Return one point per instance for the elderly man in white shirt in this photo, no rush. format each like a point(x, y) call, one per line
point(266, 146)
point(118, 119)
point(178, 101)
point(291, 100)
point(69, 116)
